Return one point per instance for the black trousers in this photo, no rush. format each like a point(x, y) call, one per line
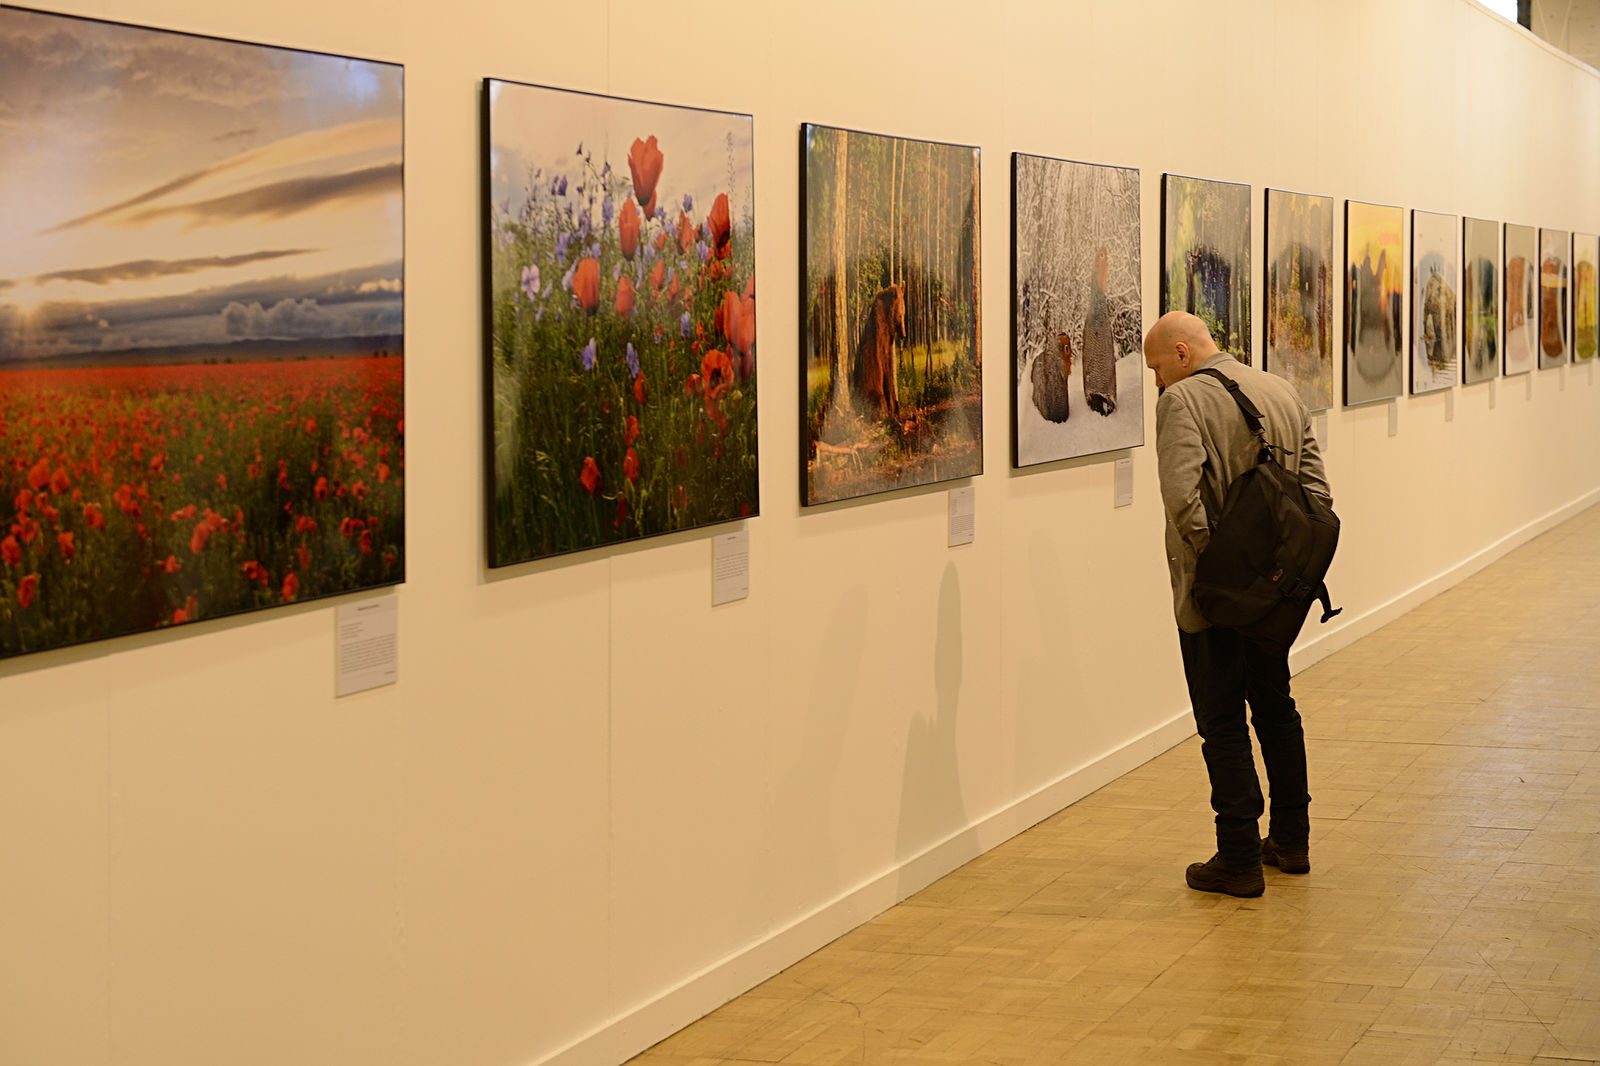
point(1224, 671)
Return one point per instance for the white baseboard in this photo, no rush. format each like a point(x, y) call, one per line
point(636, 1029)
point(639, 1027)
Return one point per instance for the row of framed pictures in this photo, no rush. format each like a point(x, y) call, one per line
point(202, 337)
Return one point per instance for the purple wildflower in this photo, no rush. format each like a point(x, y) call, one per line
point(530, 282)
point(607, 209)
point(688, 203)
point(683, 325)
point(633, 360)
point(587, 356)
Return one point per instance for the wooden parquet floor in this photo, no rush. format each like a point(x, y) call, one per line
point(1452, 913)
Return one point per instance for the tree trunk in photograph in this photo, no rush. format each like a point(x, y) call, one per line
point(840, 386)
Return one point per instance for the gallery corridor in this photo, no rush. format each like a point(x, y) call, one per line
point(1452, 913)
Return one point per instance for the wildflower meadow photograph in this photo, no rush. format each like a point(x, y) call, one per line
point(621, 305)
point(1205, 257)
point(201, 328)
point(892, 366)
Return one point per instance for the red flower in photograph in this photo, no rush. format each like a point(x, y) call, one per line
point(302, 555)
point(686, 231)
point(197, 541)
point(657, 276)
point(11, 551)
point(625, 297)
point(691, 385)
point(68, 549)
point(349, 527)
point(39, 475)
point(291, 587)
point(716, 370)
point(171, 566)
point(644, 164)
point(179, 616)
point(305, 524)
point(628, 228)
point(622, 512)
point(630, 431)
point(641, 391)
point(586, 284)
point(590, 478)
point(383, 472)
point(680, 498)
point(27, 588)
point(630, 465)
point(717, 223)
point(321, 488)
point(254, 571)
point(365, 542)
point(93, 516)
point(184, 514)
point(726, 318)
point(23, 499)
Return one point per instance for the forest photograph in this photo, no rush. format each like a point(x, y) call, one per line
point(1554, 246)
point(1076, 326)
point(1480, 299)
point(1373, 302)
point(1299, 294)
point(1205, 257)
point(1521, 298)
point(1434, 267)
point(1585, 259)
point(892, 365)
point(621, 303)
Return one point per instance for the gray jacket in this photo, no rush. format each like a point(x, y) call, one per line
point(1202, 444)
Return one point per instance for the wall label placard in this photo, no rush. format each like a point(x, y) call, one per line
point(963, 515)
point(368, 644)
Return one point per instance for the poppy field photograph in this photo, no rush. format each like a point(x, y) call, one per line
point(892, 366)
point(620, 300)
point(201, 328)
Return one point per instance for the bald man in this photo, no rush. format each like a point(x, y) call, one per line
point(1202, 444)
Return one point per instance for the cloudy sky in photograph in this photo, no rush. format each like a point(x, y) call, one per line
point(158, 189)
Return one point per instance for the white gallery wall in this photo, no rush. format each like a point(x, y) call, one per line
point(594, 806)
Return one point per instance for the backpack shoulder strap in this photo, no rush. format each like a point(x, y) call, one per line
point(1252, 414)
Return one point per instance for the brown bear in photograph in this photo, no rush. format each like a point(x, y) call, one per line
point(873, 380)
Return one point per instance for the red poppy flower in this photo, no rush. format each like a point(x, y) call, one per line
point(302, 555)
point(628, 228)
point(661, 240)
point(92, 515)
point(383, 472)
point(625, 297)
point(691, 385)
point(590, 478)
point(631, 431)
point(716, 370)
point(179, 617)
point(22, 499)
point(680, 498)
point(27, 529)
point(27, 588)
point(717, 223)
point(321, 489)
point(644, 164)
point(586, 283)
point(39, 475)
point(222, 482)
point(640, 390)
point(291, 587)
point(686, 231)
point(365, 542)
point(630, 465)
point(184, 514)
point(254, 571)
point(622, 512)
point(349, 527)
point(657, 276)
point(197, 542)
point(726, 318)
point(305, 524)
point(745, 335)
point(171, 566)
point(68, 549)
point(11, 551)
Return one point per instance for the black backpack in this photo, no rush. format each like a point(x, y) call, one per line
point(1270, 549)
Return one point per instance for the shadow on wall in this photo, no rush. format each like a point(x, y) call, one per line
point(931, 807)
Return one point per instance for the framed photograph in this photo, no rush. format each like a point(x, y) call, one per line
point(1554, 247)
point(1585, 295)
point(1522, 298)
point(1374, 302)
point(620, 295)
point(1205, 256)
point(1480, 299)
point(891, 315)
point(1077, 335)
point(1299, 294)
point(1435, 336)
point(202, 340)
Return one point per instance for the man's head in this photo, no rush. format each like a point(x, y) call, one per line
point(1176, 346)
